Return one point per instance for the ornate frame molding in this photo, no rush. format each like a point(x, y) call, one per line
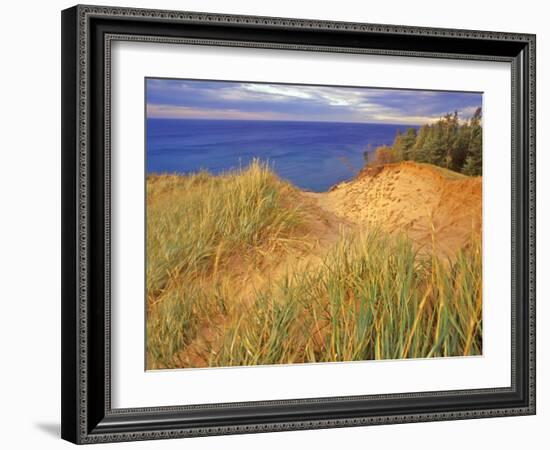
point(80, 423)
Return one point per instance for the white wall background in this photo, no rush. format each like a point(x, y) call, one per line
point(30, 223)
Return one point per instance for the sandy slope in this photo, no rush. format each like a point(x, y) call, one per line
point(420, 199)
point(405, 197)
point(321, 230)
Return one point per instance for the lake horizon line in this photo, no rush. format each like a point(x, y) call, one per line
point(410, 125)
point(311, 155)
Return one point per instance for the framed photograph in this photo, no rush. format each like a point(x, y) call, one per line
point(278, 224)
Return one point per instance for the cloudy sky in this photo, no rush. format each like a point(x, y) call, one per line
point(195, 99)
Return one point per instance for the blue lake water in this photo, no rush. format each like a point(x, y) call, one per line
point(311, 155)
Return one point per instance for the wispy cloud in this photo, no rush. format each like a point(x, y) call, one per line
point(264, 101)
point(185, 112)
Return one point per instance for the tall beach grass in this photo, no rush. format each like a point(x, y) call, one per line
point(373, 296)
point(198, 226)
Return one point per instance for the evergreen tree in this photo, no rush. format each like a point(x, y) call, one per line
point(397, 147)
point(418, 153)
point(473, 164)
point(435, 147)
point(446, 143)
point(407, 141)
point(459, 150)
point(450, 131)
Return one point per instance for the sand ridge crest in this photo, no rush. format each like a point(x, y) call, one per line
point(446, 205)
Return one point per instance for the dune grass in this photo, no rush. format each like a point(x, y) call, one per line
point(373, 296)
point(197, 227)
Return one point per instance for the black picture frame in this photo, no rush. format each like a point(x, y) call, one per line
point(87, 33)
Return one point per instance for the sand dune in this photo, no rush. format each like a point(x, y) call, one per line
point(433, 206)
point(242, 289)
